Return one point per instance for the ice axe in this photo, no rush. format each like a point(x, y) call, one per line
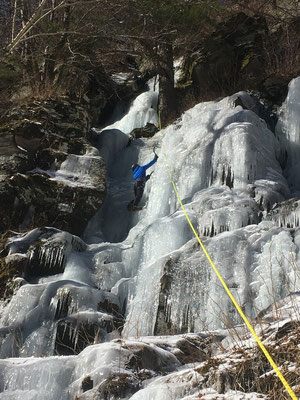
point(149, 176)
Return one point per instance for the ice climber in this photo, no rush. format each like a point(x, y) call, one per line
point(140, 178)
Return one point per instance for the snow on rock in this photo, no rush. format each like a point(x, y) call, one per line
point(210, 394)
point(149, 368)
point(103, 366)
point(85, 170)
point(175, 385)
point(241, 372)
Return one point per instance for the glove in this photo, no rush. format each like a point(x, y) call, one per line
point(148, 176)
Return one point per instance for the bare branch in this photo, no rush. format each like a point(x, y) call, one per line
point(36, 17)
point(26, 27)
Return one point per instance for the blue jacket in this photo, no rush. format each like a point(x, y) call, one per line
point(139, 172)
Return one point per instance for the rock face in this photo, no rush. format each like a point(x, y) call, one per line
point(45, 146)
point(235, 56)
point(231, 53)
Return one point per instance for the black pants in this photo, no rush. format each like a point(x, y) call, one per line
point(139, 186)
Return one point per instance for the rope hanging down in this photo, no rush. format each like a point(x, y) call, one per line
point(251, 329)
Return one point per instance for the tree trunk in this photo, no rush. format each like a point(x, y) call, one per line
point(56, 53)
point(13, 25)
point(27, 23)
point(167, 95)
point(52, 15)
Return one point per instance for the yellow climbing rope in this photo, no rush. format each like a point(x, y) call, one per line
point(251, 329)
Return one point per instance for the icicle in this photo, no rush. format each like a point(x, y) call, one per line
point(75, 336)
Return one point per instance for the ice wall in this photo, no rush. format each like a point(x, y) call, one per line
point(225, 163)
point(288, 131)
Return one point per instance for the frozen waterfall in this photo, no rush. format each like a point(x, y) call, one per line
point(227, 166)
point(224, 160)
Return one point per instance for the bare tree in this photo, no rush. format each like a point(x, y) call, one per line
point(28, 22)
point(55, 36)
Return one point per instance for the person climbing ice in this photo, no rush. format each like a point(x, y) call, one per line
point(140, 178)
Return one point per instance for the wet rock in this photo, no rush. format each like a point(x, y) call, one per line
point(239, 102)
point(126, 86)
point(147, 131)
point(167, 106)
point(275, 89)
point(265, 109)
point(11, 268)
point(10, 211)
point(110, 307)
point(87, 384)
point(147, 357)
point(118, 386)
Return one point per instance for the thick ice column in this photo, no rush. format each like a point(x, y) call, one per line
point(288, 130)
